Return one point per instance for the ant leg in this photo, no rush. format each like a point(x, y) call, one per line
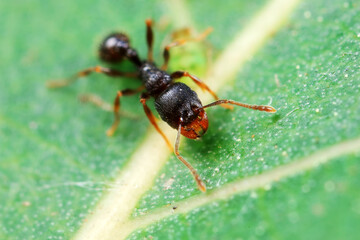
point(86, 72)
point(245, 105)
point(201, 84)
point(100, 103)
point(199, 182)
point(166, 53)
point(149, 39)
point(152, 119)
point(116, 108)
point(96, 100)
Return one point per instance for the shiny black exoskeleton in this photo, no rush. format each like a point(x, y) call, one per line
point(116, 47)
point(155, 80)
point(175, 102)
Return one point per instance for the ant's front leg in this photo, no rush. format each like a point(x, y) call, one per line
point(199, 182)
point(86, 72)
point(201, 84)
point(152, 119)
point(126, 92)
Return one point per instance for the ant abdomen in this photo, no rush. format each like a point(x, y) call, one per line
point(114, 48)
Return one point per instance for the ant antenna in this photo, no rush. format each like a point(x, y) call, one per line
point(264, 108)
point(199, 182)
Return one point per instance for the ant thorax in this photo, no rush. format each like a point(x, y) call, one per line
point(154, 79)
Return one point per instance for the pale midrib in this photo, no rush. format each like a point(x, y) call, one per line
point(113, 211)
point(247, 184)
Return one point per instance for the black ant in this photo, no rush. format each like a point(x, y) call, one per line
point(175, 102)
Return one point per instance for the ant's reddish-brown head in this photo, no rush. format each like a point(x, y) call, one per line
point(179, 105)
point(197, 127)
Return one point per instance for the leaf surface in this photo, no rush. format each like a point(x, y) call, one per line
point(57, 164)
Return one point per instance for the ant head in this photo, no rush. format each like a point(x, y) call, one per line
point(114, 48)
point(197, 127)
point(179, 105)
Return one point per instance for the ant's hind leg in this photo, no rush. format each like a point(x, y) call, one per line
point(86, 72)
point(116, 108)
point(166, 53)
point(152, 119)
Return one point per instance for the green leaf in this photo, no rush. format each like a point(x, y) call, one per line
point(290, 175)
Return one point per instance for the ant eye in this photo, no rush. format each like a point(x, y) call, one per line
point(195, 109)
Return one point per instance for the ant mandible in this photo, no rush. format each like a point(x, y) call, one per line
point(175, 102)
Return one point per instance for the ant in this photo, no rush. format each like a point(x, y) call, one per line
point(176, 103)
